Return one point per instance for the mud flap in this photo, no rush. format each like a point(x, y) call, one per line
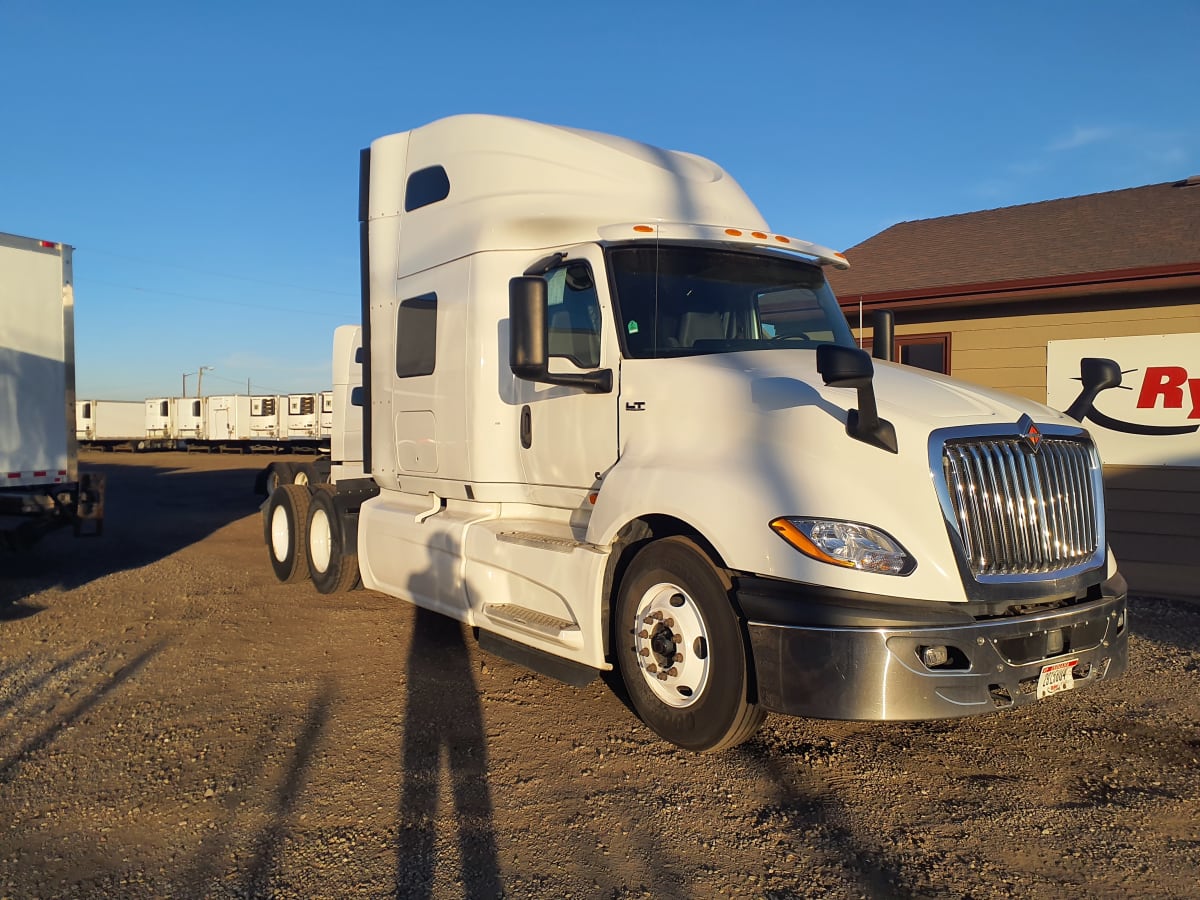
point(89, 504)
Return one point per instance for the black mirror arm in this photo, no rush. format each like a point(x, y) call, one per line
point(849, 367)
point(598, 382)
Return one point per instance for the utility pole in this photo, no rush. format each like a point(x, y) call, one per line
point(200, 380)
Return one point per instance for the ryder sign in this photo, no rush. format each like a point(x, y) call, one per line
point(1153, 417)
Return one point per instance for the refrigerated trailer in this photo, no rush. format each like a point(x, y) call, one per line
point(187, 419)
point(160, 421)
point(109, 424)
point(610, 419)
point(325, 426)
point(227, 421)
point(41, 487)
point(302, 418)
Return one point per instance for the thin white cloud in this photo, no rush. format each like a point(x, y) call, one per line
point(1081, 137)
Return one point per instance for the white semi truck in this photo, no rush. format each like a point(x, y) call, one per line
point(610, 419)
point(41, 487)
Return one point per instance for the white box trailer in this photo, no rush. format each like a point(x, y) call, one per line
point(266, 419)
point(160, 421)
point(303, 418)
point(187, 418)
point(227, 419)
point(325, 425)
point(612, 420)
point(40, 483)
point(110, 423)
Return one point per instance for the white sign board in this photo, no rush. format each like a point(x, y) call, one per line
point(1153, 418)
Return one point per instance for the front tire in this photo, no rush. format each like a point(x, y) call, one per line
point(680, 650)
point(332, 565)
point(286, 513)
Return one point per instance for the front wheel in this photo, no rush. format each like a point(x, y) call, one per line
point(680, 649)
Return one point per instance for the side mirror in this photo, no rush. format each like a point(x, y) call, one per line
point(844, 366)
point(528, 340)
point(1097, 375)
point(849, 367)
point(527, 323)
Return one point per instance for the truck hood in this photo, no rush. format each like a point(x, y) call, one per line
point(726, 443)
point(781, 391)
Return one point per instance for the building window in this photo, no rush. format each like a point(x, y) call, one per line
point(925, 351)
point(416, 336)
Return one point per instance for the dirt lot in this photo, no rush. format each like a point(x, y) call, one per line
point(173, 722)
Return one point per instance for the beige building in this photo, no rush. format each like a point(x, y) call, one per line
point(981, 295)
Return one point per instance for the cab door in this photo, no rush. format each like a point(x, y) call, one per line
point(569, 436)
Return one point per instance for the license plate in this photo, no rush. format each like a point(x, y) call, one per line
point(1056, 678)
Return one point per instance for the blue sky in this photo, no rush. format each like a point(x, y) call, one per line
point(202, 157)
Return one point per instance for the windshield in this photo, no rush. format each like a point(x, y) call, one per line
point(685, 300)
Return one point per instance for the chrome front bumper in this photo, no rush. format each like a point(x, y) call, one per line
point(875, 671)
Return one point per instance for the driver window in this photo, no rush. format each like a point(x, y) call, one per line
point(573, 315)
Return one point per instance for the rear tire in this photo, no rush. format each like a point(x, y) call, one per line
point(332, 565)
point(278, 474)
point(680, 650)
point(286, 513)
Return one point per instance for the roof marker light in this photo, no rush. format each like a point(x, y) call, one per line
point(733, 232)
point(759, 235)
point(644, 229)
point(782, 239)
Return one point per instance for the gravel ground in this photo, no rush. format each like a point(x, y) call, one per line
point(173, 722)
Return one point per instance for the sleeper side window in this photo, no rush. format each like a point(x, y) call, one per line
point(425, 187)
point(416, 336)
point(573, 315)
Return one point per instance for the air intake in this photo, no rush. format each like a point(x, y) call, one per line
point(1024, 511)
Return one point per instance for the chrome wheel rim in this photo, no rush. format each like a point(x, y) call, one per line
point(671, 645)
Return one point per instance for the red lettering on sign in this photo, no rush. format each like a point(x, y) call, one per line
point(1167, 383)
point(1163, 381)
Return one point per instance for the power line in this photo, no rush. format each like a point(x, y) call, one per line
point(154, 291)
point(294, 287)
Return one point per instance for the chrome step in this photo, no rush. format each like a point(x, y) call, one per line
point(546, 541)
point(530, 619)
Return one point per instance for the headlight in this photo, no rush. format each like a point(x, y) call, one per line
point(846, 544)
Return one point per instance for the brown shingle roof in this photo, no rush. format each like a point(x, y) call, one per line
point(1152, 227)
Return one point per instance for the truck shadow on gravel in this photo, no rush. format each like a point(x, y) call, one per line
point(32, 692)
point(444, 723)
point(152, 511)
point(256, 875)
point(1175, 622)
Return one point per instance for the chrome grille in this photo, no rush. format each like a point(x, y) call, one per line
point(1020, 512)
